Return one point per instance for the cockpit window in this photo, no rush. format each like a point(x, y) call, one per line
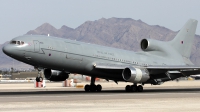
point(13, 42)
point(17, 42)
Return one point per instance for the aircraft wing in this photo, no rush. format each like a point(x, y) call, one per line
point(185, 70)
point(150, 67)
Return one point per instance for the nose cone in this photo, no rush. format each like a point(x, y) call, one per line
point(7, 49)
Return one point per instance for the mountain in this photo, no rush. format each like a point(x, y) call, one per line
point(124, 33)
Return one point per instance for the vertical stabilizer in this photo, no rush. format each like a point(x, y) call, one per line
point(183, 41)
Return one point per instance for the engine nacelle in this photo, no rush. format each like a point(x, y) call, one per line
point(152, 45)
point(135, 75)
point(55, 75)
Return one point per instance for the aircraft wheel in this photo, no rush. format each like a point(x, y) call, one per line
point(40, 79)
point(93, 88)
point(87, 88)
point(128, 88)
point(99, 87)
point(133, 88)
point(37, 79)
point(140, 88)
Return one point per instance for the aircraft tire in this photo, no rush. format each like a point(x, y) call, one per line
point(99, 88)
point(133, 88)
point(37, 79)
point(140, 88)
point(40, 79)
point(128, 88)
point(87, 88)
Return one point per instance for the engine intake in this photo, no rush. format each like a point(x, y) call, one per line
point(152, 45)
point(135, 75)
point(144, 44)
point(55, 75)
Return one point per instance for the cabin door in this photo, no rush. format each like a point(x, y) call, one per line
point(36, 46)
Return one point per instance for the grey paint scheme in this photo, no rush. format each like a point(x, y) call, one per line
point(163, 60)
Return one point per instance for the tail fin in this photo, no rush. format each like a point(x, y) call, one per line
point(183, 41)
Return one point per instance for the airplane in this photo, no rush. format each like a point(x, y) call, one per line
point(158, 61)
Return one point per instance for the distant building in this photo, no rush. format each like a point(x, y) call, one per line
point(24, 75)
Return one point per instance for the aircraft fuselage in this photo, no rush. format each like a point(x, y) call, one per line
point(78, 57)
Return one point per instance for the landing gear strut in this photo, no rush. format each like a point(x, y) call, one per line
point(134, 88)
point(92, 87)
point(39, 78)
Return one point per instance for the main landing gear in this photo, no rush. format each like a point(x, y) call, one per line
point(134, 88)
point(92, 87)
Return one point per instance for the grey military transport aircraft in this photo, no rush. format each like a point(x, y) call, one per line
point(157, 62)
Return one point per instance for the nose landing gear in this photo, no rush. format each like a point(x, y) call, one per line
point(39, 78)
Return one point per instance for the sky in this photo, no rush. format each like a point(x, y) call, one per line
point(17, 17)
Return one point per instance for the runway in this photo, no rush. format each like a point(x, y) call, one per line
point(163, 98)
point(77, 95)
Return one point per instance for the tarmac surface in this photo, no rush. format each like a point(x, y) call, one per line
point(171, 96)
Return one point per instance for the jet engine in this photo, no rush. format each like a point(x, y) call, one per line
point(152, 45)
point(135, 75)
point(55, 75)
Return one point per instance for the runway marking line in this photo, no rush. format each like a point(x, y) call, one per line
point(69, 95)
point(96, 95)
